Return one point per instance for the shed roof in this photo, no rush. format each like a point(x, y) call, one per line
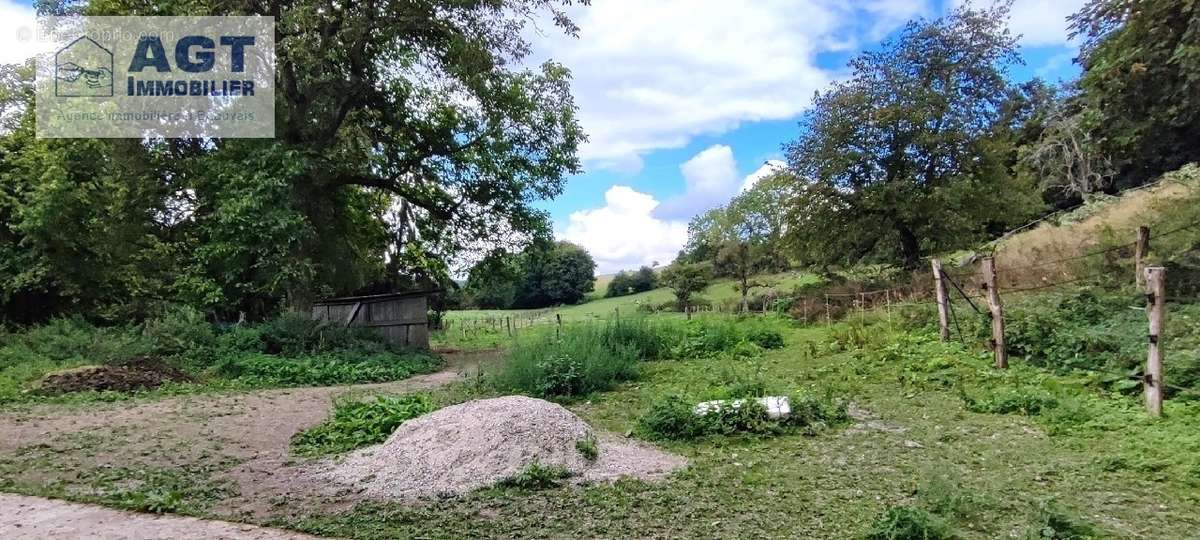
point(376, 297)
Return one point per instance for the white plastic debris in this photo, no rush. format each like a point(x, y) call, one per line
point(777, 406)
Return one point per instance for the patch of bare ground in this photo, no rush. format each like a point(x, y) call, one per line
point(239, 440)
point(34, 517)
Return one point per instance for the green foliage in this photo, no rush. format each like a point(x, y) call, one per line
point(1139, 68)
point(543, 274)
point(536, 477)
point(1015, 401)
point(583, 359)
point(1051, 524)
point(26, 356)
point(324, 369)
point(588, 448)
point(105, 227)
point(356, 423)
point(672, 416)
point(894, 167)
point(686, 280)
point(285, 351)
point(626, 283)
point(908, 523)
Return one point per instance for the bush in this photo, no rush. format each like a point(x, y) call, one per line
point(354, 424)
point(672, 417)
point(258, 369)
point(908, 523)
point(182, 334)
point(294, 335)
point(583, 359)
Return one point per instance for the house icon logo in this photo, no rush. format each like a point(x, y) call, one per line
point(83, 68)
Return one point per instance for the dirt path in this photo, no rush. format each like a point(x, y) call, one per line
point(34, 517)
point(236, 442)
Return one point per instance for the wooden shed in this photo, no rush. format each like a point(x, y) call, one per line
point(401, 318)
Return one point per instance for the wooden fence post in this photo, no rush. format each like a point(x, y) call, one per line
point(1139, 256)
point(508, 324)
point(943, 300)
point(993, 298)
point(1156, 308)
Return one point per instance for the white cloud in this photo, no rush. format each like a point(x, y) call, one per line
point(1039, 22)
point(17, 29)
point(653, 75)
point(767, 169)
point(623, 234)
point(711, 179)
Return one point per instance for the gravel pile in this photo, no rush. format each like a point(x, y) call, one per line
point(479, 443)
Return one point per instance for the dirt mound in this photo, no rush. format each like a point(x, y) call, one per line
point(479, 443)
point(134, 374)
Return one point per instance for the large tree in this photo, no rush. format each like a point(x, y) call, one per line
point(409, 133)
point(903, 157)
point(1141, 71)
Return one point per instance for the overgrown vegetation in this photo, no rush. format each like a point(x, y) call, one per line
point(285, 351)
point(355, 423)
point(579, 359)
point(674, 417)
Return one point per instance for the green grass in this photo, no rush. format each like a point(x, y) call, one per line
point(1094, 458)
point(286, 351)
point(916, 459)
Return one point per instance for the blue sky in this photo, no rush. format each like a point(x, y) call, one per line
point(684, 99)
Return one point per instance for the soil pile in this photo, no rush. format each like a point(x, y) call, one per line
point(479, 443)
point(134, 374)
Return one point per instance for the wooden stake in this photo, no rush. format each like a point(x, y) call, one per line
point(993, 298)
point(1139, 256)
point(558, 329)
point(1156, 310)
point(508, 323)
point(943, 300)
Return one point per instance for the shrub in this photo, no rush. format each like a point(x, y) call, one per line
point(908, 523)
point(1020, 401)
point(354, 424)
point(537, 476)
point(182, 334)
point(766, 338)
point(583, 359)
point(258, 369)
point(673, 417)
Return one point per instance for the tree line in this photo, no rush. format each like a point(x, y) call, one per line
point(928, 147)
point(409, 135)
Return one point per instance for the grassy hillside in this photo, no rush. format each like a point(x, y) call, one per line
point(718, 291)
point(1107, 221)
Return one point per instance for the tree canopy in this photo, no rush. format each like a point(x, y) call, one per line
point(409, 133)
point(906, 157)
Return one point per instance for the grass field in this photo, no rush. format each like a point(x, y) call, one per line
point(603, 308)
point(936, 432)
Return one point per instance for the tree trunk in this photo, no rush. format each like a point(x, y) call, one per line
point(910, 247)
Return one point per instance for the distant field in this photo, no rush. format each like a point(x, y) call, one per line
point(601, 308)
